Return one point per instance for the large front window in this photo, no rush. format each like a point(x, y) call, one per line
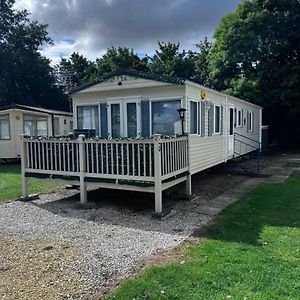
point(88, 117)
point(165, 116)
point(35, 125)
point(4, 127)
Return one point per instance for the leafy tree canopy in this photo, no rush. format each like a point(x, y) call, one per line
point(25, 75)
point(169, 60)
point(256, 52)
point(75, 70)
point(121, 57)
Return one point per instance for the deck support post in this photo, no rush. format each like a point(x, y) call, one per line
point(157, 174)
point(82, 165)
point(188, 185)
point(23, 168)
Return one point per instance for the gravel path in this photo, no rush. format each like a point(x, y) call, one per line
point(106, 241)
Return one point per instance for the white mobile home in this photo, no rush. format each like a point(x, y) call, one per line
point(16, 119)
point(141, 142)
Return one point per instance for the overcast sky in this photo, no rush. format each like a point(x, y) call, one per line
point(91, 26)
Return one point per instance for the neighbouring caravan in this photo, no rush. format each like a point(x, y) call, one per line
point(18, 119)
point(151, 133)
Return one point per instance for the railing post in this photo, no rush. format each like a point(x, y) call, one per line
point(188, 183)
point(23, 168)
point(157, 174)
point(82, 165)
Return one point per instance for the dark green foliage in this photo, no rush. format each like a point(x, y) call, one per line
point(252, 253)
point(121, 57)
point(201, 61)
point(75, 71)
point(169, 60)
point(25, 76)
point(256, 55)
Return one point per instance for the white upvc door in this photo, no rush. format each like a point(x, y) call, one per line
point(124, 118)
point(132, 118)
point(231, 131)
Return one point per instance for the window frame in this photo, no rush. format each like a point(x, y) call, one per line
point(239, 118)
point(198, 126)
point(217, 132)
point(9, 132)
point(35, 119)
point(166, 99)
point(98, 115)
point(250, 121)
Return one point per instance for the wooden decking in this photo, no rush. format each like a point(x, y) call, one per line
point(150, 165)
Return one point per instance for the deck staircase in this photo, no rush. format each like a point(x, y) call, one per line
point(247, 156)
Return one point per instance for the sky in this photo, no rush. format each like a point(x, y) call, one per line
point(91, 26)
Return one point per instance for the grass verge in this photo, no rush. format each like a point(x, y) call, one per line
point(251, 252)
point(10, 183)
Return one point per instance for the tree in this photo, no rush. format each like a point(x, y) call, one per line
point(201, 61)
point(75, 70)
point(169, 60)
point(256, 56)
point(121, 57)
point(25, 75)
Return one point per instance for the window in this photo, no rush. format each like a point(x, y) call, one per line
point(165, 116)
point(35, 125)
point(131, 119)
point(88, 117)
point(239, 118)
point(193, 117)
point(217, 119)
point(4, 127)
point(250, 121)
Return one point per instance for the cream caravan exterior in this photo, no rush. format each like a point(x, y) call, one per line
point(16, 120)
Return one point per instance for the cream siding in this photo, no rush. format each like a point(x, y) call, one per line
point(207, 151)
point(147, 93)
point(204, 152)
point(11, 148)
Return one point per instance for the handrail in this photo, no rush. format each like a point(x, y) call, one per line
point(246, 137)
point(246, 143)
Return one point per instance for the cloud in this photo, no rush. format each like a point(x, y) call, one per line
point(95, 25)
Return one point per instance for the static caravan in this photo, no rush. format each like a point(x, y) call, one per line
point(151, 132)
point(18, 119)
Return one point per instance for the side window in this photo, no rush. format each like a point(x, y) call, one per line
point(251, 121)
point(194, 117)
point(4, 127)
point(35, 125)
point(239, 118)
point(217, 116)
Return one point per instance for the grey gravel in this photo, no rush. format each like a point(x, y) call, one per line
point(111, 241)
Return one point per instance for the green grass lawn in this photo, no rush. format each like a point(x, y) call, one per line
point(10, 183)
point(252, 252)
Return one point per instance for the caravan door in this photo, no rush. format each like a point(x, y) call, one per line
point(124, 118)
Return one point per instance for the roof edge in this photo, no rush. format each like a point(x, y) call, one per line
point(133, 73)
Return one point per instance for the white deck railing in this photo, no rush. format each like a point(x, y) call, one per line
point(112, 159)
